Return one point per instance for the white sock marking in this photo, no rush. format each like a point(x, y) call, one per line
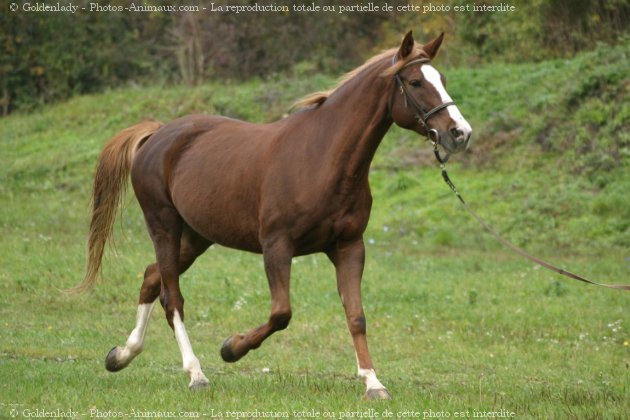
point(370, 380)
point(135, 342)
point(189, 360)
point(369, 377)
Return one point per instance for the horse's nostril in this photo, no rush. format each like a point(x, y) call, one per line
point(457, 134)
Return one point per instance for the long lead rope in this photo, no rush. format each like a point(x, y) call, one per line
point(513, 247)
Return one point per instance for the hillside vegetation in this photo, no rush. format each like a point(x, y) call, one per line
point(455, 323)
point(548, 166)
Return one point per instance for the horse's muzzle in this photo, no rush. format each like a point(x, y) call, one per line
point(454, 141)
point(460, 137)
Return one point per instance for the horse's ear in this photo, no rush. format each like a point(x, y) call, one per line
point(407, 46)
point(431, 48)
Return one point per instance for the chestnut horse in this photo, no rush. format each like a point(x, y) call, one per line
point(292, 187)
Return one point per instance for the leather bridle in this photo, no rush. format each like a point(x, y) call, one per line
point(422, 116)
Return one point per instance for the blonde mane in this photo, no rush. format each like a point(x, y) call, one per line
point(317, 98)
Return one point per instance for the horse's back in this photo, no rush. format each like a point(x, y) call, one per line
point(214, 140)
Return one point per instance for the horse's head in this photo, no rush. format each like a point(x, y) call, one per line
point(420, 101)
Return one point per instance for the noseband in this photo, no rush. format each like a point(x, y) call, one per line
point(420, 115)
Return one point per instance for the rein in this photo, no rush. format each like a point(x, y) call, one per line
point(509, 244)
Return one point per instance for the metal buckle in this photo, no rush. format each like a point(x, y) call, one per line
point(434, 137)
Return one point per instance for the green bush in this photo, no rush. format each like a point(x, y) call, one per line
point(46, 57)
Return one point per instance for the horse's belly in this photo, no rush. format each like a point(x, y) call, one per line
point(221, 208)
point(219, 211)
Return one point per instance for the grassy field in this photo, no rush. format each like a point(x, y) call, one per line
point(458, 327)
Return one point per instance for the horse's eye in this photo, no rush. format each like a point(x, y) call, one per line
point(415, 83)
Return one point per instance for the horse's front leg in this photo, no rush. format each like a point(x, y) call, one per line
point(349, 258)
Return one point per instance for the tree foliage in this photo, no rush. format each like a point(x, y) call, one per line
point(542, 29)
point(45, 57)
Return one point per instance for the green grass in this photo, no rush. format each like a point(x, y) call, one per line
point(456, 324)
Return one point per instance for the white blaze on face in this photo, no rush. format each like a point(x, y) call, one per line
point(432, 76)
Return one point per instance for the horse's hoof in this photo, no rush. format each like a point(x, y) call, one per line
point(227, 353)
point(112, 363)
point(198, 384)
point(377, 394)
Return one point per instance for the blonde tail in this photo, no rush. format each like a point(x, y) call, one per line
point(110, 184)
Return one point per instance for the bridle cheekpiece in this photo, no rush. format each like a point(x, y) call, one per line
point(421, 115)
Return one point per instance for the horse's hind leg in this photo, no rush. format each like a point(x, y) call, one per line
point(119, 357)
point(191, 246)
point(277, 258)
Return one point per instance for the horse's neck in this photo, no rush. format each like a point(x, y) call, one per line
point(358, 118)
